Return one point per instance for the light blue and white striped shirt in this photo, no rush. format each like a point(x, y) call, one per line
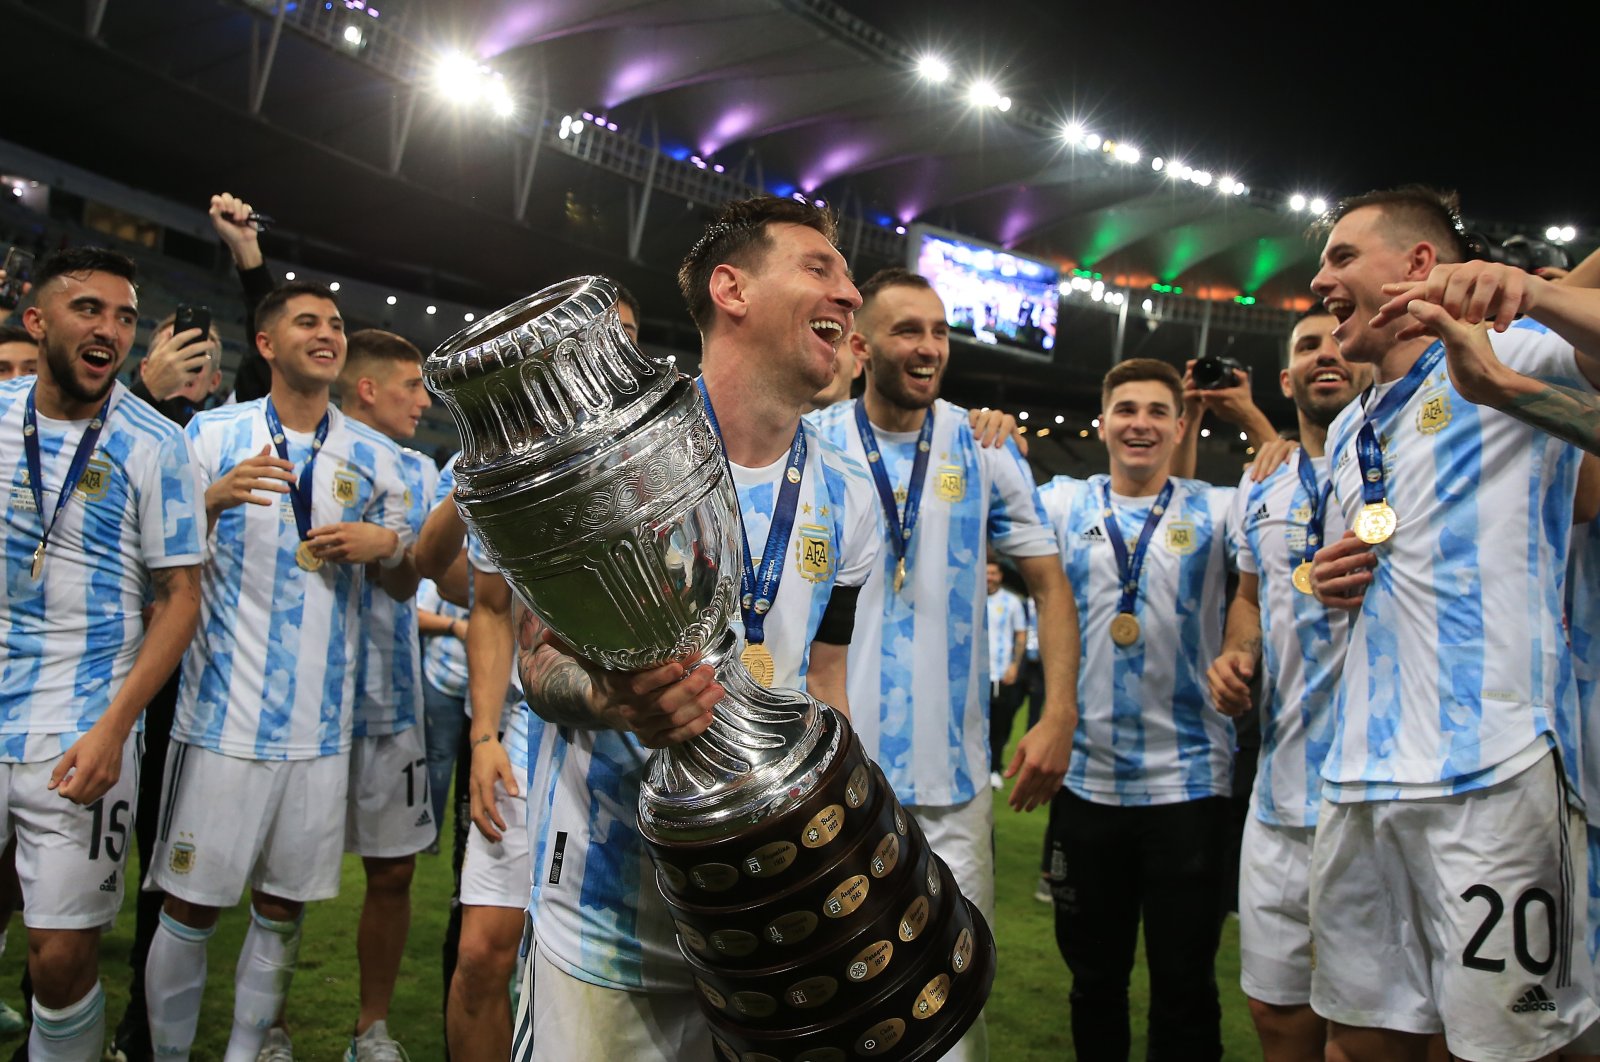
point(919, 661)
point(444, 659)
point(597, 910)
point(1147, 732)
point(1005, 620)
point(69, 639)
point(1458, 674)
point(271, 675)
point(1303, 644)
point(389, 683)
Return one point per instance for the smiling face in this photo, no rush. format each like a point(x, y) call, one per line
point(85, 324)
point(1363, 253)
point(797, 304)
point(1140, 427)
point(305, 343)
point(904, 342)
point(18, 358)
point(993, 576)
point(1318, 377)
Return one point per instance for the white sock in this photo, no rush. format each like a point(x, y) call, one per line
point(174, 980)
point(72, 1034)
point(260, 983)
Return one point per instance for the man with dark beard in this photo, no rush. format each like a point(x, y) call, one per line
point(103, 509)
point(918, 691)
point(1277, 526)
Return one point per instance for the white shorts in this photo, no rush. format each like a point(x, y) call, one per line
point(1275, 913)
point(70, 857)
point(575, 1021)
point(963, 836)
point(499, 875)
point(388, 813)
point(228, 822)
point(1459, 915)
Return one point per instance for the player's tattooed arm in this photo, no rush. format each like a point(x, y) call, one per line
point(557, 687)
point(1564, 412)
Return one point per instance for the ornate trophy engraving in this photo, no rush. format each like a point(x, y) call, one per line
point(819, 925)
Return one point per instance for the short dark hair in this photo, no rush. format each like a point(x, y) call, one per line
point(631, 301)
point(10, 333)
point(272, 304)
point(1136, 370)
point(892, 277)
point(1316, 309)
point(739, 237)
point(1413, 212)
point(78, 260)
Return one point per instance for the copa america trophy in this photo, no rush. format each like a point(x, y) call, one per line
point(819, 924)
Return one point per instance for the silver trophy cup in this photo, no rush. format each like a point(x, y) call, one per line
point(819, 924)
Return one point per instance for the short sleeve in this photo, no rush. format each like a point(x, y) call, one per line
point(172, 516)
point(1224, 508)
point(388, 506)
point(1533, 350)
point(1018, 526)
point(1244, 556)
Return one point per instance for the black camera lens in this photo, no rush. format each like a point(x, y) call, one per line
point(1215, 373)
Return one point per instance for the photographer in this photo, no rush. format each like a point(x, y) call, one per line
point(180, 371)
point(1206, 391)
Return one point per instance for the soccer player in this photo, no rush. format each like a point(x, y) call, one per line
point(1138, 832)
point(19, 352)
point(389, 815)
point(1277, 527)
point(103, 511)
point(1008, 640)
point(300, 500)
point(1448, 853)
point(773, 300)
point(918, 682)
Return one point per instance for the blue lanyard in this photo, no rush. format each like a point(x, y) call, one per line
point(1319, 503)
point(300, 494)
point(758, 591)
point(80, 462)
point(1368, 452)
point(1129, 568)
point(900, 526)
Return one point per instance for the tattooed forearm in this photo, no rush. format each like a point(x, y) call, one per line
point(1564, 412)
point(557, 688)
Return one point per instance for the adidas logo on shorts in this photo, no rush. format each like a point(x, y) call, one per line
point(424, 819)
point(110, 884)
point(1535, 998)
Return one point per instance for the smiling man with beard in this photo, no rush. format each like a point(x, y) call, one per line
point(102, 511)
point(1138, 831)
point(1277, 527)
point(918, 663)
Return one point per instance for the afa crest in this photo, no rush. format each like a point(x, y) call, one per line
point(1435, 412)
point(951, 484)
point(96, 479)
point(345, 488)
point(1181, 538)
point(814, 553)
point(182, 858)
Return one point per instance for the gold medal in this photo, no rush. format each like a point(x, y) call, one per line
point(38, 562)
point(1302, 577)
point(1375, 523)
point(1125, 629)
point(899, 575)
point(307, 560)
point(757, 659)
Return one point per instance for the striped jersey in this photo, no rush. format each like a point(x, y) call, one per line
point(919, 661)
point(1032, 651)
point(69, 639)
point(444, 656)
point(1583, 626)
point(271, 675)
point(389, 680)
point(1457, 676)
point(596, 907)
point(1147, 733)
point(1303, 643)
point(1005, 619)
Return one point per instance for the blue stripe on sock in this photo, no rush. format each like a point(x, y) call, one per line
point(186, 933)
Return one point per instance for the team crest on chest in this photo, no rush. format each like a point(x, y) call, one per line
point(1181, 538)
point(1435, 412)
point(96, 479)
point(951, 484)
point(814, 553)
point(345, 488)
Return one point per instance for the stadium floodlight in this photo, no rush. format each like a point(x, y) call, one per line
point(1091, 141)
point(1553, 234)
point(500, 99)
point(352, 36)
point(1297, 202)
point(1149, 305)
point(1126, 153)
point(334, 286)
point(1239, 188)
point(1225, 185)
point(1202, 178)
point(932, 68)
point(391, 300)
point(1022, 415)
point(468, 317)
point(431, 310)
point(1243, 437)
point(1072, 132)
point(1003, 104)
point(1060, 419)
point(1569, 233)
point(1318, 206)
point(1095, 423)
point(289, 275)
point(1158, 163)
point(456, 76)
point(982, 93)
point(1205, 433)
